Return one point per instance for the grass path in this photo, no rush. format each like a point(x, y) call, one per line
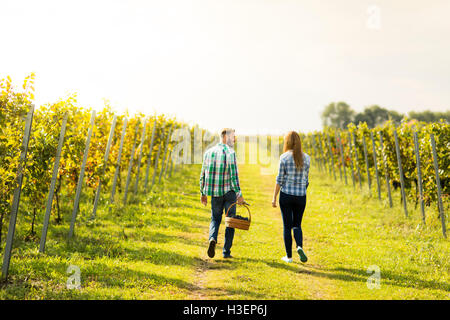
point(256, 271)
point(344, 235)
point(155, 248)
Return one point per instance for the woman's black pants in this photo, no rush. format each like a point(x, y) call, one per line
point(292, 208)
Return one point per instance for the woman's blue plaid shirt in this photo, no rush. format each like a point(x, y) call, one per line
point(293, 181)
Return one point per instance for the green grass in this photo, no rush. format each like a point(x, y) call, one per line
point(155, 248)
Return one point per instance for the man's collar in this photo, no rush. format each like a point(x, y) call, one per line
point(224, 145)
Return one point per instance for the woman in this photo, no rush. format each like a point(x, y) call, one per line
point(292, 180)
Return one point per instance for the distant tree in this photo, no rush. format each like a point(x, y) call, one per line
point(340, 114)
point(375, 115)
point(429, 116)
point(395, 116)
point(337, 115)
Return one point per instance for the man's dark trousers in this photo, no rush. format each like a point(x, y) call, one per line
point(218, 204)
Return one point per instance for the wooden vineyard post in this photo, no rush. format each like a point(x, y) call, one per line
point(356, 161)
point(157, 159)
point(166, 168)
point(331, 157)
point(166, 147)
point(119, 157)
point(16, 196)
point(171, 167)
point(341, 147)
point(386, 173)
point(311, 150)
point(105, 162)
point(81, 176)
point(351, 159)
point(367, 160)
point(149, 159)
point(323, 155)
point(172, 160)
point(52, 184)
point(316, 155)
point(400, 170)
point(340, 150)
point(305, 145)
point(419, 174)
point(326, 158)
point(130, 165)
point(438, 185)
point(136, 185)
point(156, 167)
point(376, 165)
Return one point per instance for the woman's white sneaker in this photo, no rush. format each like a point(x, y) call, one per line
point(286, 259)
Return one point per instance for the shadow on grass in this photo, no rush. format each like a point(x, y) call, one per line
point(101, 225)
point(93, 275)
point(91, 248)
point(116, 278)
point(228, 293)
point(159, 237)
point(355, 275)
point(218, 264)
point(397, 279)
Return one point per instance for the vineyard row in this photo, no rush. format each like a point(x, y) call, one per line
point(66, 147)
point(412, 154)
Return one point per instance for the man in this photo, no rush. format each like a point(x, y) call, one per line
point(219, 179)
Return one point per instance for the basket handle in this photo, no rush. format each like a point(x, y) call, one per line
point(245, 204)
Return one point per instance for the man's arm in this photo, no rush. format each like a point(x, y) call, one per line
point(234, 178)
point(202, 178)
point(204, 197)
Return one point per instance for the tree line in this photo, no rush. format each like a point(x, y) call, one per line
point(340, 115)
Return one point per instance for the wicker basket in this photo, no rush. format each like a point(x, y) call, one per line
point(238, 223)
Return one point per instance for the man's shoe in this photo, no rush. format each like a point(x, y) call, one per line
point(301, 253)
point(212, 248)
point(286, 259)
point(228, 256)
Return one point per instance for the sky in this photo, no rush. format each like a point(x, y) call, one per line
point(265, 67)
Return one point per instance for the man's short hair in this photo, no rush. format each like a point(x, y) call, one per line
point(226, 131)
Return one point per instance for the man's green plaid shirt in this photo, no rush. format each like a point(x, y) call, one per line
point(219, 172)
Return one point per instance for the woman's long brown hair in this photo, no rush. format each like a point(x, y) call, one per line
point(292, 142)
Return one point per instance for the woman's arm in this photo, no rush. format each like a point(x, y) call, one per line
point(281, 178)
point(275, 195)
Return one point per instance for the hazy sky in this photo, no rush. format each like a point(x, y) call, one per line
point(264, 66)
